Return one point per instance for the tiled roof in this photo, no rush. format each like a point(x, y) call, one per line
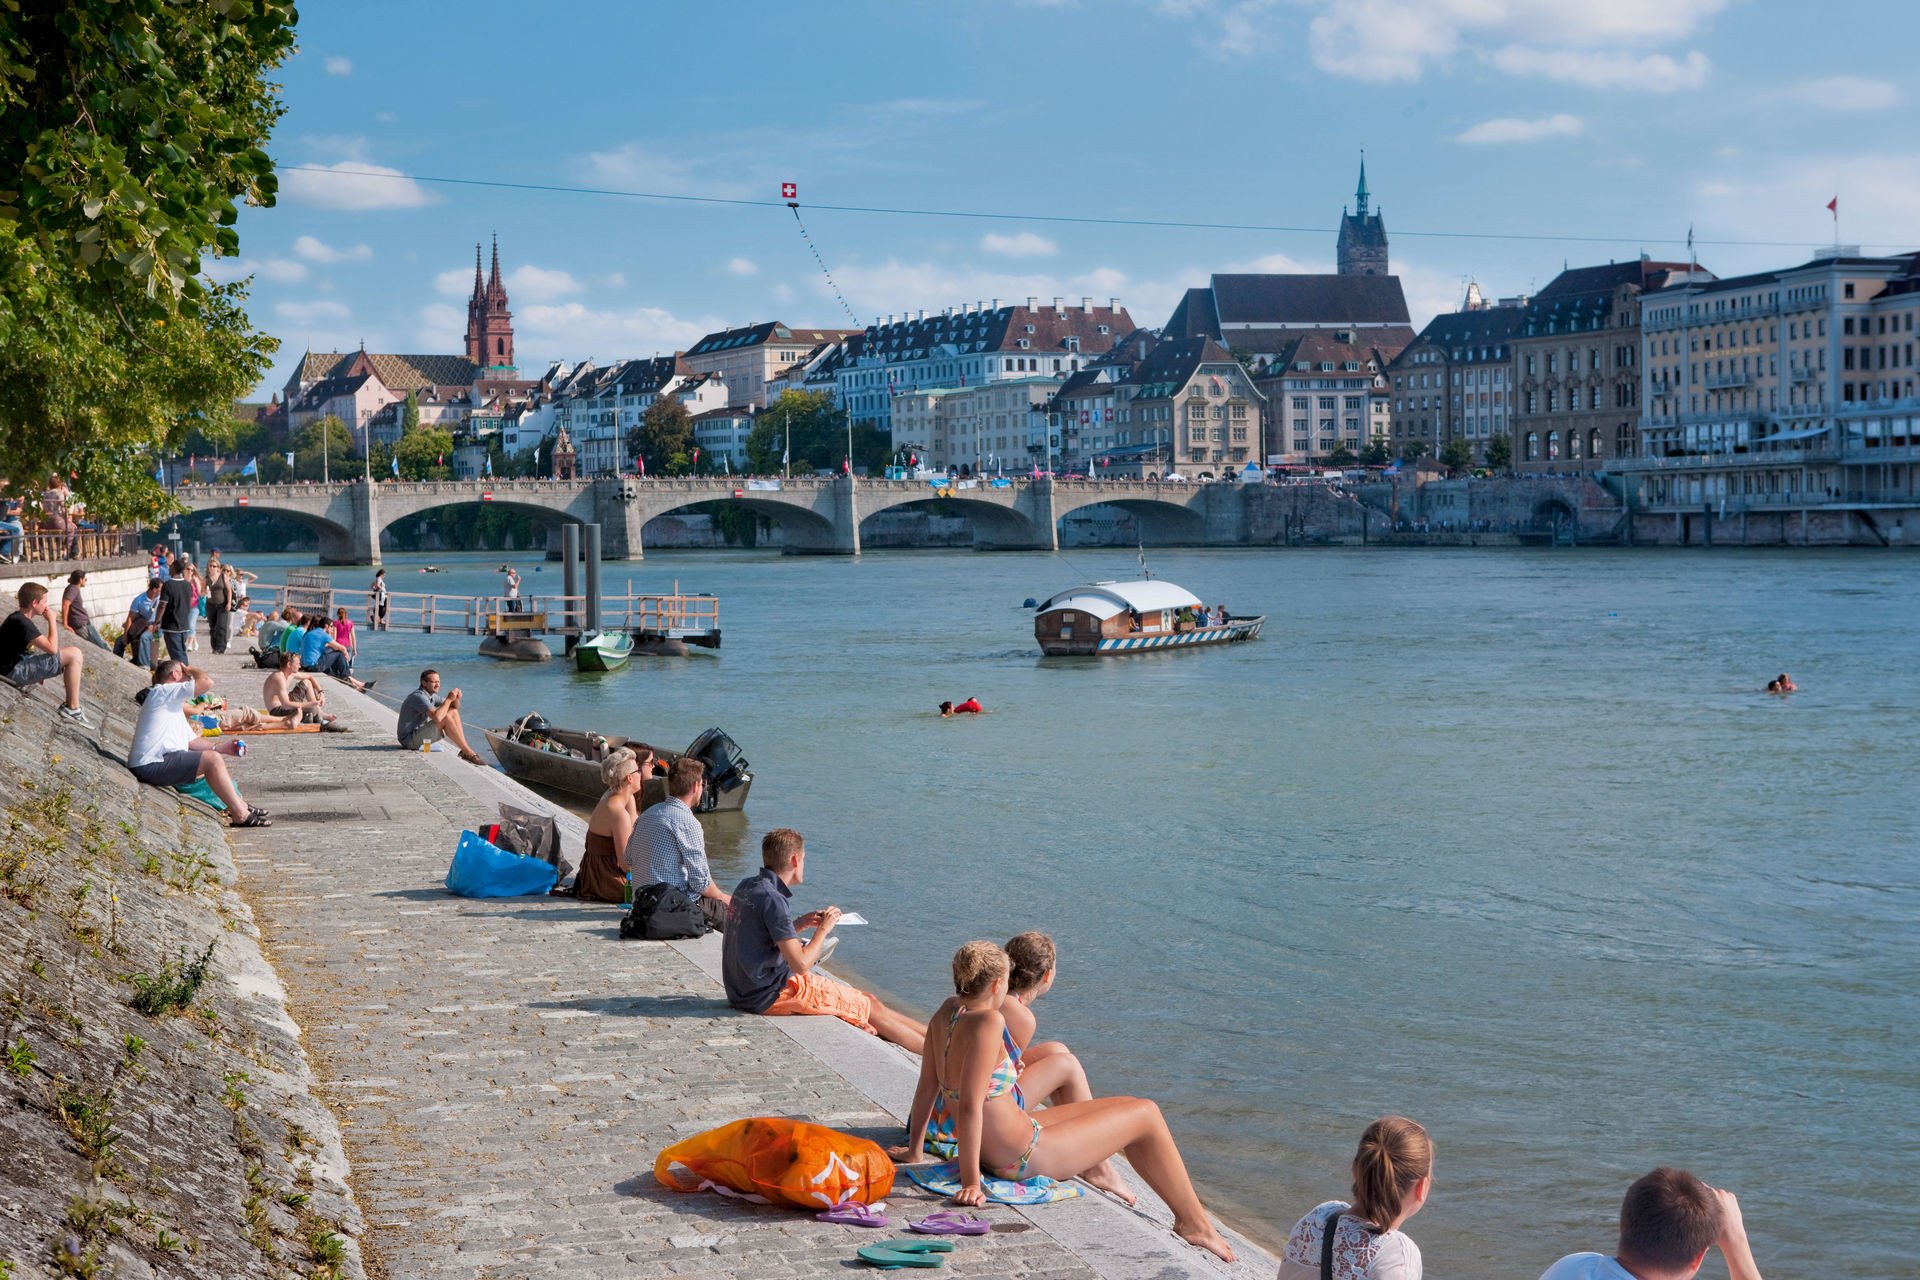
point(1193, 317)
point(1642, 272)
point(1277, 300)
point(1392, 338)
point(1169, 366)
point(754, 335)
point(998, 329)
point(1487, 327)
point(400, 373)
point(1320, 346)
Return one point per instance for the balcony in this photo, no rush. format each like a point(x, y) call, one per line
point(1718, 381)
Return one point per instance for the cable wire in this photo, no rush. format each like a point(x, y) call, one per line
point(1063, 218)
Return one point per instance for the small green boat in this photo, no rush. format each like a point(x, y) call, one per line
point(607, 651)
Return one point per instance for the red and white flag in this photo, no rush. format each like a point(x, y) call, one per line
point(1833, 207)
point(789, 191)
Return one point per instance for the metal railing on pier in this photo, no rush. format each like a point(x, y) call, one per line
point(563, 615)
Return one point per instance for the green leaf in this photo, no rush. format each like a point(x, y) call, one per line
point(93, 206)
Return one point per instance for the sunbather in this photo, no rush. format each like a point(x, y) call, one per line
point(287, 693)
point(966, 1061)
point(166, 751)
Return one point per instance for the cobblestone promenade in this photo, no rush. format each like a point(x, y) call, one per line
point(505, 1071)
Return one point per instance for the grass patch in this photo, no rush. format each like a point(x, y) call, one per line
point(88, 1118)
point(20, 1057)
point(175, 987)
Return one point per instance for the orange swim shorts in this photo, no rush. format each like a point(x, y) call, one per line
point(816, 994)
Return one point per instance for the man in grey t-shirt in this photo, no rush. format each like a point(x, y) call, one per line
point(424, 722)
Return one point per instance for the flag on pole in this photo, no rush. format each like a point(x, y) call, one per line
point(1833, 207)
point(160, 473)
point(696, 459)
point(489, 464)
point(289, 459)
point(252, 468)
point(640, 465)
point(394, 463)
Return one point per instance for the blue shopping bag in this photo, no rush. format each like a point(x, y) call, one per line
point(483, 870)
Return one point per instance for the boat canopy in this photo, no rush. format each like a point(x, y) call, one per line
point(1105, 599)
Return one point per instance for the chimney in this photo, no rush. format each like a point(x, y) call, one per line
point(1086, 305)
point(922, 315)
point(996, 304)
point(1113, 304)
point(1056, 304)
point(1031, 301)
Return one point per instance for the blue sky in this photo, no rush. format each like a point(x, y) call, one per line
point(1625, 121)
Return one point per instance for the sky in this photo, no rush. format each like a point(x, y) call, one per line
point(1503, 140)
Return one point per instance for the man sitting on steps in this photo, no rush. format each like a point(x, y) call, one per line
point(286, 694)
point(424, 722)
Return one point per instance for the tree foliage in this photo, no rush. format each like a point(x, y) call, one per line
point(1376, 453)
point(1500, 452)
point(425, 453)
point(665, 438)
point(1414, 450)
point(819, 434)
point(1457, 454)
point(1341, 456)
point(130, 133)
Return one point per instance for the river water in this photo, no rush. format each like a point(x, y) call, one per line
point(1507, 841)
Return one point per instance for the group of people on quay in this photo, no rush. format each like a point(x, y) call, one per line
point(991, 1095)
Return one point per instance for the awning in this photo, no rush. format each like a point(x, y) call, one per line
point(1804, 433)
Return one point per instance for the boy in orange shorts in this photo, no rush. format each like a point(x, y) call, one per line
point(766, 967)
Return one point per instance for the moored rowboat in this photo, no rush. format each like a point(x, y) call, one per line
point(607, 651)
point(532, 751)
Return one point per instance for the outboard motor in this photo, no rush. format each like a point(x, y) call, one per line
point(726, 768)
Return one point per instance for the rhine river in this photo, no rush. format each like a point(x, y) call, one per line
point(1507, 841)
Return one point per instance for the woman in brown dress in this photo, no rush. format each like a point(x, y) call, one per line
point(602, 878)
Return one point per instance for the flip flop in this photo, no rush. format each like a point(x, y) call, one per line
point(948, 1223)
point(851, 1213)
point(894, 1255)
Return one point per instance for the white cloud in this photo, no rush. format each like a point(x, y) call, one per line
point(636, 168)
point(457, 283)
point(314, 250)
point(614, 280)
point(1229, 30)
point(742, 267)
point(1024, 244)
point(306, 312)
point(1511, 129)
point(538, 284)
point(574, 330)
point(1399, 39)
point(354, 186)
point(1607, 69)
point(783, 293)
point(339, 66)
point(442, 328)
point(1786, 199)
point(1844, 93)
point(279, 270)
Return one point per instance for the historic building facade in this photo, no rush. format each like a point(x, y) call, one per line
point(489, 321)
point(1456, 380)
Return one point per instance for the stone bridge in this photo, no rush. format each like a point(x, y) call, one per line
point(815, 515)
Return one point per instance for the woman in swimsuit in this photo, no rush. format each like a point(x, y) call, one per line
point(967, 1064)
point(602, 876)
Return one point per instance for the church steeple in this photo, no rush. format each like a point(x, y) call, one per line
point(489, 322)
point(1360, 193)
point(1362, 248)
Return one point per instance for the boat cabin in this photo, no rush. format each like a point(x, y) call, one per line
point(1077, 620)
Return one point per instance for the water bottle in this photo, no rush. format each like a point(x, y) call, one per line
point(626, 892)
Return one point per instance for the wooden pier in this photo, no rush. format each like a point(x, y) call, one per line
point(691, 619)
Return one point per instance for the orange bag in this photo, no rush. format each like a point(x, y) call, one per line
point(790, 1162)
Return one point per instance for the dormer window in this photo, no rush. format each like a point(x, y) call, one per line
point(1029, 328)
point(1103, 329)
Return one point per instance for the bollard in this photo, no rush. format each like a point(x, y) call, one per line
point(569, 575)
point(590, 552)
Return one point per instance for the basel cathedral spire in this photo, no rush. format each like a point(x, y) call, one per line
point(489, 322)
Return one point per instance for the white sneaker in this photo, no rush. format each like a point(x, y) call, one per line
point(74, 715)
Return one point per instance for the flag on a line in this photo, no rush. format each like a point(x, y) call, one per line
point(789, 191)
point(252, 468)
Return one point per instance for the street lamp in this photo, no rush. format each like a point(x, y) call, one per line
point(366, 444)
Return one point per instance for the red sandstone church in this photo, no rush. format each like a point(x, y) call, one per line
point(366, 390)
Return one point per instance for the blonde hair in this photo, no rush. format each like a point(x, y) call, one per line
point(977, 965)
point(615, 768)
point(1394, 1154)
point(1033, 956)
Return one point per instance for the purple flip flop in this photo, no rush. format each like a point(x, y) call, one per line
point(851, 1213)
point(947, 1223)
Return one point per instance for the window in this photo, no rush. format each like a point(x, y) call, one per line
point(1326, 404)
point(1299, 404)
point(1532, 451)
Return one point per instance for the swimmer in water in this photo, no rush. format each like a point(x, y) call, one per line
point(1786, 683)
point(971, 707)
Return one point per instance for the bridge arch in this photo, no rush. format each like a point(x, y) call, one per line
point(997, 526)
point(802, 529)
point(336, 540)
point(1162, 517)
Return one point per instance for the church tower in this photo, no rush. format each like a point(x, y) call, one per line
point(489, 323)
point(1363, 235)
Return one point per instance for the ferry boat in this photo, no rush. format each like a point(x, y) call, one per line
point(1105, 618)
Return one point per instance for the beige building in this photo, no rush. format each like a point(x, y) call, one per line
point(748, 358)
point(1456, 380)
point(1191, 406)
point(1324, 391)
point(998, 428)
point(1576, 356)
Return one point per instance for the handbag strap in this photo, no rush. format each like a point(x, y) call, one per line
point(1326, 1244)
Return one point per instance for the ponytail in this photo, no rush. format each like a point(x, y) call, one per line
point(1394, 1154)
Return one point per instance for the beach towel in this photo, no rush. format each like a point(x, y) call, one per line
point(774, 1160)
point(943, 1179)
point(199, 790)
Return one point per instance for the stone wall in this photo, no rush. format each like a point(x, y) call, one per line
point(111, 585)
point(184, 1140)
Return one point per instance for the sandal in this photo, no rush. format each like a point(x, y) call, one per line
point(892, 1255)
point(948, 1223)
point(472, 758)
point(255, 818)
point(852, 1213)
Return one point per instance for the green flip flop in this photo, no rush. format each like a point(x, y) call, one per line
point(896, 1255)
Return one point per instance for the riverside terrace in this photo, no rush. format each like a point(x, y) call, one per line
point(505, 1070)
point(816, 516)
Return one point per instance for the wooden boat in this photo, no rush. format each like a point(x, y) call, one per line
point(1106, 618)
point(607, 651)
point(533, 751)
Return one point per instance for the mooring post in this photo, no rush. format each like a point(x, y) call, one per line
point(569, 575)
point(591, 553)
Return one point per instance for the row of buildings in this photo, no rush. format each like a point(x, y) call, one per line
point(1709, 385)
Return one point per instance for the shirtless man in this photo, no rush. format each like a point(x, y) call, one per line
point(284, 693)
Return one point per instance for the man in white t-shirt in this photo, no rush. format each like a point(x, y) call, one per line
point(167, 752)
point(1667, 1222)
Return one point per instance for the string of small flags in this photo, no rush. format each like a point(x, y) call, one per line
point(790, 192)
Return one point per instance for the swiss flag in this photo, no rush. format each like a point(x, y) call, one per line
point(789, 191)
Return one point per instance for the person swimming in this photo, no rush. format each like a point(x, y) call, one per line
point(971, 707)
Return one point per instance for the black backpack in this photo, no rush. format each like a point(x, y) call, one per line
point(661, 912)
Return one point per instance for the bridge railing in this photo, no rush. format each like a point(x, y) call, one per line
point(78, 544)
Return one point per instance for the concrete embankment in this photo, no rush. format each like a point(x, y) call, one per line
point(506, 1070)
point(150, 1125)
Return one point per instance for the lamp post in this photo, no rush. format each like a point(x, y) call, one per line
point(366, 445)
point(326, 472)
